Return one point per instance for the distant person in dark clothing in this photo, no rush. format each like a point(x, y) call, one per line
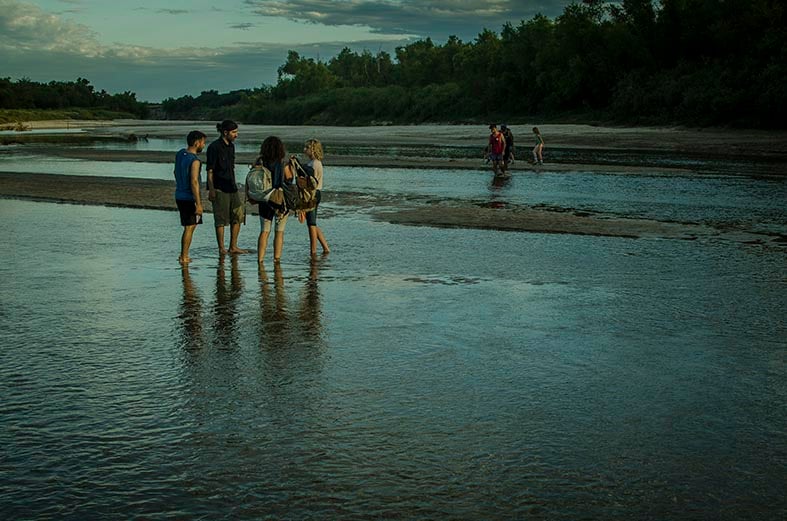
point(228, 206)
point(187, 195)
point(508, 152)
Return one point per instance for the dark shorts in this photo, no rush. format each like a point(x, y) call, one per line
point(495, 157)
point(188, 215)
point(311, 217)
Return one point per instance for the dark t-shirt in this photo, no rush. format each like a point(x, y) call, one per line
point(509, 143)
point(221, 159)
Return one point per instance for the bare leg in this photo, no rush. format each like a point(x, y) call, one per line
point(234, 232)
point(315, 235)
point(185, 243)
point(262, 245)
point(312, 239)
point(220, 239)
point(278, 244)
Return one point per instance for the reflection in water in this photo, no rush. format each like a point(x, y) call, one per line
point(310, 313)
point(225, 310)
point(190, 316)
point(500, 181)
point(496, 188)
point(274, 326)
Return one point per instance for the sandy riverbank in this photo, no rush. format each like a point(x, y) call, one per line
point(570, 148)
point(157, 195)
point(716, 141)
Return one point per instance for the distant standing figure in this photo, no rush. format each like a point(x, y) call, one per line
point(187, 195)
point(313, 150)
point(538, 157)
point(497, 145)
point(272, 154)
point(228, 207)
point(508, 153)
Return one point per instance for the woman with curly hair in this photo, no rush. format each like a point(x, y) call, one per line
point(272, 154)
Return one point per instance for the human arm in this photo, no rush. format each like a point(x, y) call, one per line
point(317, 167)
point(288, 174)
point(212, 157)
point(211, 189)
point(195, 168)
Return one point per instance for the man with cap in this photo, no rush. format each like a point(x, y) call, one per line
point(228, 206)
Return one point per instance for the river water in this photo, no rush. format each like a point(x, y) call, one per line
point(413, 373)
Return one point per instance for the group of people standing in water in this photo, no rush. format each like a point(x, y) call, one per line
point(229, 201)
point(500, 150)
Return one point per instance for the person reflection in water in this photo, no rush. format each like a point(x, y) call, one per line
point(190, 314)
point(273, 308)
point(310, 314)
point(226, 302)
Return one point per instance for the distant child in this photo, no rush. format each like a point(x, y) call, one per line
point(313, 150)
point(187, 196)
point(538, 157)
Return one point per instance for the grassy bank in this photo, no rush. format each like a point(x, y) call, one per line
point(12, 117)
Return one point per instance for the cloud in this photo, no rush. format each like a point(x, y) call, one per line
point(436, 18)
point(154, 74)
point(243, 26)
point(173, 11)
point(46, 47)
point(25, 26)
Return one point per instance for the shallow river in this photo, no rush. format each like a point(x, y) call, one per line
point(413, 373)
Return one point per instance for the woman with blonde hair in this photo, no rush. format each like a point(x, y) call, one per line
point(313, 150)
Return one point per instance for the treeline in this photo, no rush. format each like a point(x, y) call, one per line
point(79, 94)
point(699, 62)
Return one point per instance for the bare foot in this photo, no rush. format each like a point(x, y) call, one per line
point(184, 260)
point(238, 251)
point(223, 252)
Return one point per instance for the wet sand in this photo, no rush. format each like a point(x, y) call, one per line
point(158, 195)
point(431, 163)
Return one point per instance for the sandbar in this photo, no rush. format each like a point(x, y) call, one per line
point(158, 195)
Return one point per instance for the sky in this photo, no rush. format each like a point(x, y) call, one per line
point(191, 46)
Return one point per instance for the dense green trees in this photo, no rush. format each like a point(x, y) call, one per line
point(27, 94)
point(703, 62)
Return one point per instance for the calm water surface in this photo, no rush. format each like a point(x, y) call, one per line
point(414, 373)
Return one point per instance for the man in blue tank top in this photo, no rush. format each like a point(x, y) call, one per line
point(187, 195)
